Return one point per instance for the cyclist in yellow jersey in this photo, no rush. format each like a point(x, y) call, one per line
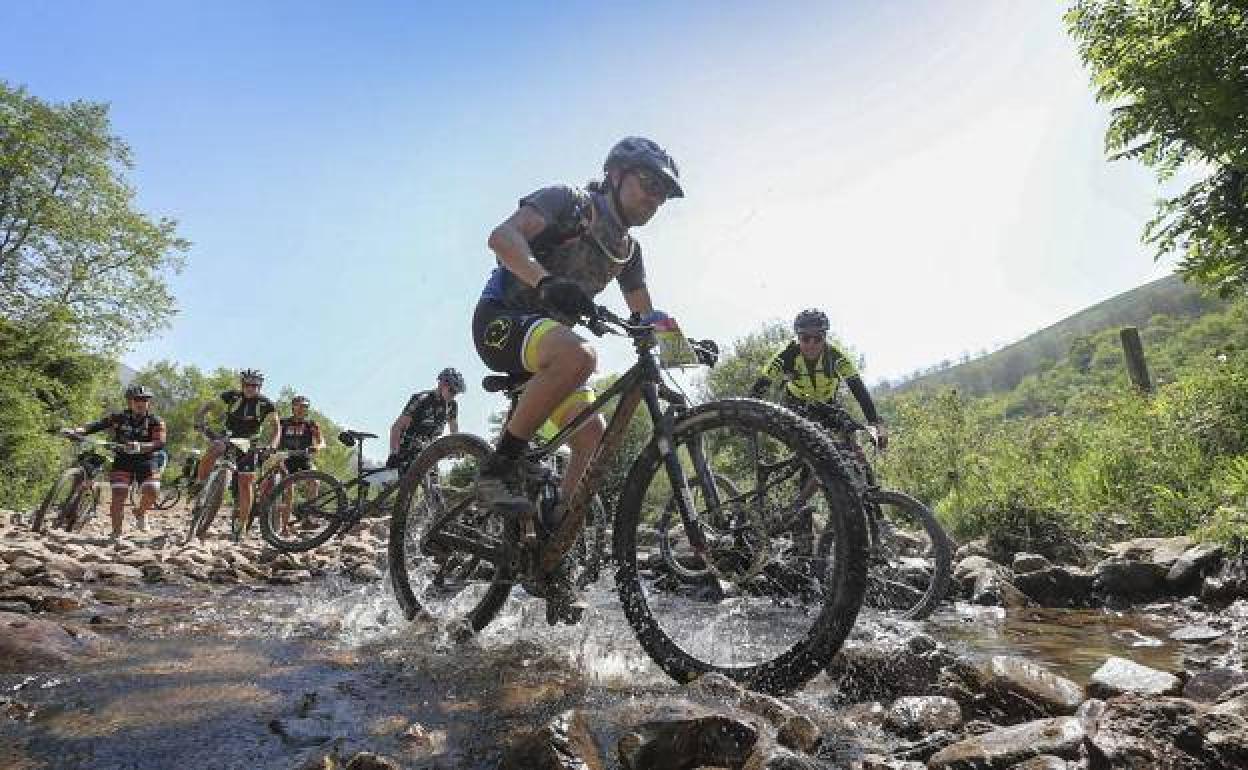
point(812, 369)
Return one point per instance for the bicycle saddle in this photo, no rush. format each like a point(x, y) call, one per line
point(506, 383)
point(349, 437)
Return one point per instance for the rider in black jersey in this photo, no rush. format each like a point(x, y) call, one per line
point(424, 417)
point(247, 413)
point(142, 435)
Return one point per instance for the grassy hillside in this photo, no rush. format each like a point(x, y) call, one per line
point(1005, 369)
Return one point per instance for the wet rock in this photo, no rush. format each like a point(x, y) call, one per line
point(1122, 577)
point(27, 565)
point(14, 606)
point(1043, 762)
point(290, 577)
point(716, 686)
point(367, 760)
point(302, 732)
point(1119, 676)
point(779, 758)
point(716, 741)
point(366, 573)
point(29, 643)
point(1162, 551)
point(1196, 563)
point(1029, 562)
point(1208, 686)
point(913, 716)
point(1196, 634)
point(1022, 690)
point(1057, 586)
point(922, 750)
point(993, 589)
point(868, 714)
point(119, 574)
point(1150, 732)
point(1088, 714)
point(1003, 748)
point(562, 744)
point(874, 666)
point(799, 733)
point(1223, 589)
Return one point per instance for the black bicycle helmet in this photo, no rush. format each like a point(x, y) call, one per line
point(811, 320)
point(138, 391)
point(638, 152)
point(251, 377)
point(453, 379)
point(300, 400)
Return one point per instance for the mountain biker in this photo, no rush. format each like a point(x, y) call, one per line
point(142, 435)
point(247, 412)
point(812, 369)
point(299, 436)
point(561, 247)
point(424, 417)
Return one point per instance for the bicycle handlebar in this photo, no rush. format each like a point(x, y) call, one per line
point(603, 322)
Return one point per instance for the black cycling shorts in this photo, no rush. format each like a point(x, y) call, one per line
point(127, 469)
point(505, 337)
point(297, 462)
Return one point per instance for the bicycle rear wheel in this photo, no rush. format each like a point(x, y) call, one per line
point(674, 547)
point(770, 628)
point(910, 557)
point(450, 557)
point(318, 509)
point(590, 550)
point(54, 501)
point(79, 512)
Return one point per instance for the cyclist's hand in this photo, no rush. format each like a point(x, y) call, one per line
point(565, 297)
point(131, 447)
point(393, 461)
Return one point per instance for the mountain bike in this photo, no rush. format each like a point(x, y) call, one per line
point(745, 629)
point(73, 498)
point(910, 554)
point(320, 504)
point(211, 495)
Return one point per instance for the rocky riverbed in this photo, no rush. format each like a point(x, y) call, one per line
point(150, 654)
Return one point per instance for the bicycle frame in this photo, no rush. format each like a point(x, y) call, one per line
point(641, 383)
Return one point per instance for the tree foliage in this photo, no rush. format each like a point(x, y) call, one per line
point(74, 249)
point(1176, 73)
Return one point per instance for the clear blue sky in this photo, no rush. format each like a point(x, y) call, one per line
point(929, 172)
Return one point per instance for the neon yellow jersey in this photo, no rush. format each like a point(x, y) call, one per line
point(805, 380)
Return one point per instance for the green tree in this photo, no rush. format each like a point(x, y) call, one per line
point(72, 243)
point(1176, 73)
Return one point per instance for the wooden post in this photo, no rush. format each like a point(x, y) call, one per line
point(1137, 368)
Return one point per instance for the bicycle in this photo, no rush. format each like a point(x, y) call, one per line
point(74, 496)
point(211, 495)
point(320, 506)
point(746, 630)
point(909, 553)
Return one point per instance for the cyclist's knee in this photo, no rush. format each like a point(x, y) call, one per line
point(563, 349)
point(588, 436)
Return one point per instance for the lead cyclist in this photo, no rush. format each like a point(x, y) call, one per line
point(561, 248)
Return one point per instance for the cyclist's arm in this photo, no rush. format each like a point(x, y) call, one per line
point(863, 397)
point(94, 427)
point(638, 301)
point(158, 439)
point(452, 425)
point(318, 438)
point(396, 430)
point(510, 242)
point(771, 371)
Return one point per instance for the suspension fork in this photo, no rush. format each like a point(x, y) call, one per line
point(676, 473)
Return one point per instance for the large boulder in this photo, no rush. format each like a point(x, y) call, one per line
point(1119, 676)
point(563, 743)
point(1193, 566)
point(1158, 732)
point(1057, 586)
point(715, 740)
point(918, 715)
point(1119, 576)
point(884, 666)
point(1029, 562)
point(30, 644)
point(1024, 690)
point(1008, 746)
point(1162, 551)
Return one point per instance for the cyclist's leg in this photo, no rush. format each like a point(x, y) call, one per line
point(559, 362)
point(148, 476)
point(583, 442)
point(119, 481)
point(246, 479)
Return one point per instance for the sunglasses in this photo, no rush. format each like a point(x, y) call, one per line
point(651, 184)
point(811, 337)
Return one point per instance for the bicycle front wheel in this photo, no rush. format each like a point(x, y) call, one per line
point(169, 496)
point(450, 556)
point(770, 621)
point(56, 498)
point(303, 511)
point(207, 503)
point(911, 557)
